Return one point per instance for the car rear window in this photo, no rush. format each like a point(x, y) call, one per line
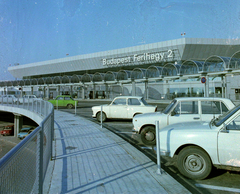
point(213, 107)
point(68, 98)
point(133, 101)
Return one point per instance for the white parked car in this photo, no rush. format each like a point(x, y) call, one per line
point(8, 99)
point(201, 145)
point(28, 98)
point(123, 107)
point(180, 110)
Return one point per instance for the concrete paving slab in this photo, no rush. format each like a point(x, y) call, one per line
point(91, 159)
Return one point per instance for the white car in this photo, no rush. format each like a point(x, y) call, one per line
point(123, 107)
point(201, 145)
point(180, 110)
point(28, 98)
point(8, 99)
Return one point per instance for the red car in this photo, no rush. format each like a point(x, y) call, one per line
point(7, 130)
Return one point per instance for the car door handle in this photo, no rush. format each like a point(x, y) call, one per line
point(196, 118)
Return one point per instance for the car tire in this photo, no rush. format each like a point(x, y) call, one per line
point(194, 163)
point(104, 117)
point(70, 106)
point(148, 135)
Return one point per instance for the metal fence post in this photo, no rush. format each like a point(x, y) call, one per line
point(158, 148)
point(101, 115)
point(41, 159)
point(52, 132)
point(75, 107)
point(57, 104)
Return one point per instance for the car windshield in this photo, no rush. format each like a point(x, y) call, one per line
point(169, 107)
point(222, 118)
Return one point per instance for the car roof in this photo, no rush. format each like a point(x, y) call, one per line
point(129, 97)
point(200, 98)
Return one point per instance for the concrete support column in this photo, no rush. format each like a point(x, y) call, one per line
point(48, 93)
point(83, 92)
point(31, 90)
point(146, 90)
point(106, 91)
point(58, 90)
point(94, 91)
point(71, 90)
point(133, 88)
point(18, 122)
point(44, 91)
point(166, 89)
point(21, 92)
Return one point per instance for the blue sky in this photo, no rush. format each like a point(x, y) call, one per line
point(40, 30)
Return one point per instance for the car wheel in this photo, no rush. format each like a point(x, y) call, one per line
point(194, 163)
point(148, 135)
point(69, 106)
point(104, 117)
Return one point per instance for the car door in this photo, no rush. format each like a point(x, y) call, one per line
point(60, 101)
point(229, 144)
point(118, 108)
point(185, 111)
point(210, 109)
point(68, 100)
point(134, 105)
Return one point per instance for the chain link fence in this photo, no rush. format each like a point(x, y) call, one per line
point(22, 169)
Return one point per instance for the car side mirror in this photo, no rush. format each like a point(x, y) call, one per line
point(224, 129)
point(173, 113)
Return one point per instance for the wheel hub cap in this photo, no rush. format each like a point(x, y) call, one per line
point(194, 163)
point(149, 136)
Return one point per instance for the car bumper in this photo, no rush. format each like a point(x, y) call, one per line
point(135, 131)
point(164, 153)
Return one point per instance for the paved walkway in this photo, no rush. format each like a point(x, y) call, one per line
point(91, 159)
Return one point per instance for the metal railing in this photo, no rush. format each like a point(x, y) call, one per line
point(22, 169)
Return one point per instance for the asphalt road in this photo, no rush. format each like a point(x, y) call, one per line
point(219, 182)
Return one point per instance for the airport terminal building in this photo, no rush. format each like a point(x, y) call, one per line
point(162, 70)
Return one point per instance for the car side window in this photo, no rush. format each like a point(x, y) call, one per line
point(133, 101)
point(187, 107)
point(59, 98)
point(234, 125)
point(211, 107)
point(67, 98)
point(119, 101)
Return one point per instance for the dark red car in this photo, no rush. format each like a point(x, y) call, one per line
point(7, 130)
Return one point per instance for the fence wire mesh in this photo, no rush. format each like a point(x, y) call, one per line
point(21, 167)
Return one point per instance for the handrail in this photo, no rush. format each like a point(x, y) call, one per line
point(24, 167)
